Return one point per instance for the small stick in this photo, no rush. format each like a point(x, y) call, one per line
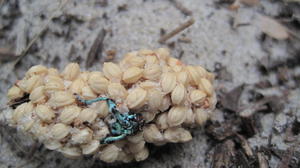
point(180, 28)
point(182, 8)
point(96, 48)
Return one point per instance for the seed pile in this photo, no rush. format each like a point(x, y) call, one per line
point(170, 96)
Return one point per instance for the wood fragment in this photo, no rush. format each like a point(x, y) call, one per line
point(177, 30)
point(110, 55)
point(223, 154)
point(244, 143)
point(181, 8)
point(184, 40)
point(96, 48)
point(286, 158)
point(221, 131)
point(263, 163)
point(7, 55)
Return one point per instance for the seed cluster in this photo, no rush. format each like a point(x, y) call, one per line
point(171, 97)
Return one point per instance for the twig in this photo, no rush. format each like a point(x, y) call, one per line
point(24, 52)
point(180, 28)
point(7, 55)
point(182, 8)
point(96, 48)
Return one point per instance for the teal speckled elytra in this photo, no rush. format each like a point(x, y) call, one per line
point(125, 123)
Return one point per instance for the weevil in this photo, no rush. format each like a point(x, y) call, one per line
point(125, 123)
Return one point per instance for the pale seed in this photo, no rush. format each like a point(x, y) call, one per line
point(176, 115)
point(69, 113)
point(45, 113)
point(168, 82)
point(136, 98)
point(152, 134)
point(178, 94)
point(132, 75)
point(71, 71)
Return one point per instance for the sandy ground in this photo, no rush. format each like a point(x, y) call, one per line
point(138, 24)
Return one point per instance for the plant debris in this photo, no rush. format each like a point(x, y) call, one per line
point(15, 103)
point(273, 28)
point(96, 48)
point(7, 55)
point(182, 8)
point(177, 30)
point(230, 100)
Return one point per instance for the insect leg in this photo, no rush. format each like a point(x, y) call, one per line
point(112, 139)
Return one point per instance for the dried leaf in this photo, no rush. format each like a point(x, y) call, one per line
point(272, 28)
point(230, 100)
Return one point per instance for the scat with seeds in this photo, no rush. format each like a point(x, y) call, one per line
point(171, 96)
